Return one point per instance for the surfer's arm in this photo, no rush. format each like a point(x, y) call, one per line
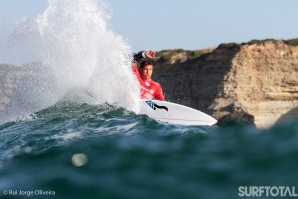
point(148, 54)
point(135, 70)
point(139, 56)
point(159, 94)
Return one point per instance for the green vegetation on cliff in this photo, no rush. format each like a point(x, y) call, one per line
point(180, 55)
point(292, 42)
point(229, 45)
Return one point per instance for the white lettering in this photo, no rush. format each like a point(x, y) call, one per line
point(11, 192)
point(248, 192)
point(267, 190)
point(255, 191)
point(261, 190)
point(287, 191)
point(281, 188)
point(293, 191)
point(272, 193)
point(241, 191)
point(26, 193)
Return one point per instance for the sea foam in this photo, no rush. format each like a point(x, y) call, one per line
point(69, 49)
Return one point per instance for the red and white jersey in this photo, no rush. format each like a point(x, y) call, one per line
point(149, 88)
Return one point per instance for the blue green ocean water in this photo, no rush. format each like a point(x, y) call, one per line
point(84, 145)
point(133, 156)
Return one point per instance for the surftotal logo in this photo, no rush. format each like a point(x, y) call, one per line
point(267, 191)
point(154, 106)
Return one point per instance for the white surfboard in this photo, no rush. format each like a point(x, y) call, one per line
point(174, 113)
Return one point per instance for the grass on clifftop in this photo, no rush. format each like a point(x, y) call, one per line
point(180, 55)
point(292, 42)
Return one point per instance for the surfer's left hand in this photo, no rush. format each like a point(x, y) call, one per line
point(150, 54)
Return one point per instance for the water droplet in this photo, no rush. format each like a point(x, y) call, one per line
point(79, 159)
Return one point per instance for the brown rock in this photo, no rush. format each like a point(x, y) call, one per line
point(263, 76)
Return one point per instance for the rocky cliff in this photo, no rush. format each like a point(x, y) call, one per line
point(260, 75)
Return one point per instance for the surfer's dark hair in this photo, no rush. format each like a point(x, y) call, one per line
point(145, 63)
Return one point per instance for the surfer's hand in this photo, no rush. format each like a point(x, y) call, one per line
point(150, 54)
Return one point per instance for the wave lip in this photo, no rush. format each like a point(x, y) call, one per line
point(68, 47)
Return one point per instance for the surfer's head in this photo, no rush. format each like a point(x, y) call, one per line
point(146, 70)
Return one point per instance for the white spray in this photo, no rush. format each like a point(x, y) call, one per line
point(76, 51)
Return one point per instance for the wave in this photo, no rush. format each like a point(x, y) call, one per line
point(68, 121)
point(131, 155)
point(67, 47)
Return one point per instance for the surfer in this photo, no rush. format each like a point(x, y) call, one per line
point(149, 88)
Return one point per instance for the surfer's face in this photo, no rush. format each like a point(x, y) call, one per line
point(146, 72)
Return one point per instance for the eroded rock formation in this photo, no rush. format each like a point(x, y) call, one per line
point(263, 77)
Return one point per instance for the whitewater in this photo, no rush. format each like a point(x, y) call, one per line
point(69, 128)
point(71, 51)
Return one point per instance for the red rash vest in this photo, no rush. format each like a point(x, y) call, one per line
point(149, 88)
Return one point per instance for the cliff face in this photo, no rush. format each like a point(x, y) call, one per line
point(262, 77)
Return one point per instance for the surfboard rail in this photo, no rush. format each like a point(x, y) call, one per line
point(174, 113)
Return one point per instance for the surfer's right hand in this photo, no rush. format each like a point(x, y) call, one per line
point(150, 54)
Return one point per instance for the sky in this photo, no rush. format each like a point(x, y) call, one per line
point(188, 24)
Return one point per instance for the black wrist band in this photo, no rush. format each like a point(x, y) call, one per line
point(138, 56)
